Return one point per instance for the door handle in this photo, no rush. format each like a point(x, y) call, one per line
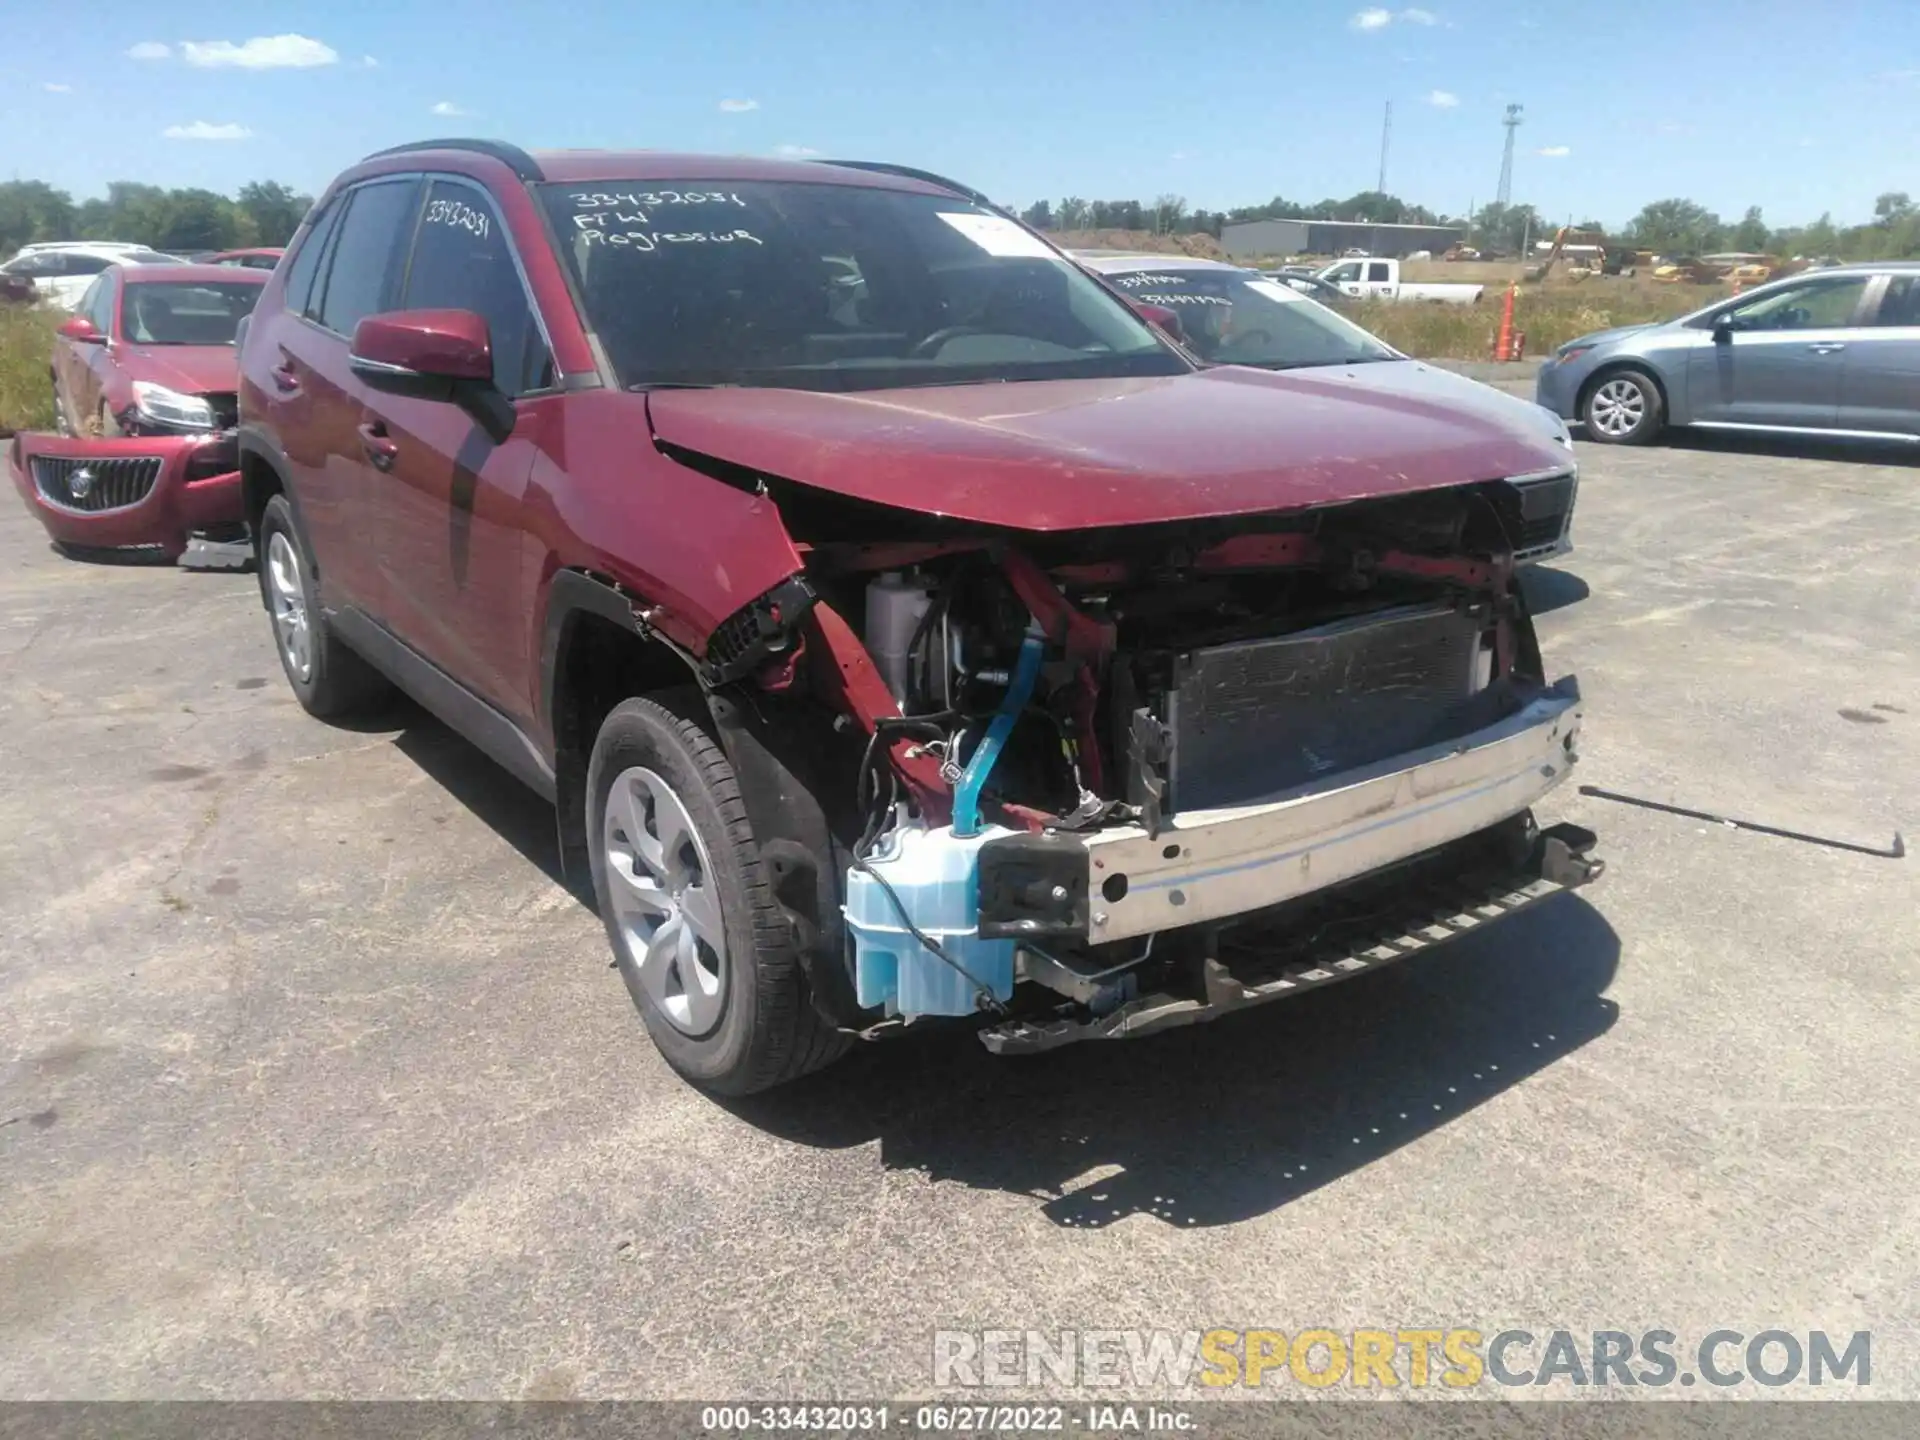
point(1827, 347)
point(382, 449)
point(285, 379)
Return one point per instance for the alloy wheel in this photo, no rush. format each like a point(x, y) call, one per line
point(665, 900)
point(1618, 408)
point(287, 597)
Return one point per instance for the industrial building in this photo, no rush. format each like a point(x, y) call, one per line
point(1252, 238)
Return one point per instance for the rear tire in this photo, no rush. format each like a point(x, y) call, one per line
point(1623, 407)
point(705, 952)
point(328, 679)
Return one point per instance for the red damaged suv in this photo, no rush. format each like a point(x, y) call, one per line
point(143, 379)
point(901, 626)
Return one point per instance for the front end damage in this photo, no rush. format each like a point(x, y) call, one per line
point(1092, 784)
point(145, 494)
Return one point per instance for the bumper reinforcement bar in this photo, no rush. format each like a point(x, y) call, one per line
point(1428, 913)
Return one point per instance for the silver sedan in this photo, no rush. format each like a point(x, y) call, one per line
point(1828, 352)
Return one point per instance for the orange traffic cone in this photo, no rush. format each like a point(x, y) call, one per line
point(1503, 343)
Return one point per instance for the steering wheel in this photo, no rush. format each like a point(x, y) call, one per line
point(931, 345)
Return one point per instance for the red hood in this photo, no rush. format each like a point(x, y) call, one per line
point(1068, 454)
point(190, 369)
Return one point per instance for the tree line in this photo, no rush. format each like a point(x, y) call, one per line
point(266, 212)
point(1670, 227)
point(262, 213)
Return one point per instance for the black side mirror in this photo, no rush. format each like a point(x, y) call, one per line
point(1723, 328)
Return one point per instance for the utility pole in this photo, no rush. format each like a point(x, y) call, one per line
point(1504, 196)
point(1386, 131)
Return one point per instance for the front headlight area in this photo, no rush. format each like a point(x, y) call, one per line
point(156, 408)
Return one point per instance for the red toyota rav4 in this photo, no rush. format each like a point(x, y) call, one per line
point(901, 626)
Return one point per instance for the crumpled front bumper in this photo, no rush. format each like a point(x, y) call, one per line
point(197, 486)
point(1210, 866)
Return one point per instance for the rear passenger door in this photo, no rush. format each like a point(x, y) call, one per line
point(450, 513)
point(1880, 382)
point(319, 405)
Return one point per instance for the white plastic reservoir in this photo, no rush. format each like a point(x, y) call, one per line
point(937, 878)
point(895, 605)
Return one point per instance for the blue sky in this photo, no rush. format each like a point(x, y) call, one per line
point(1798, 108)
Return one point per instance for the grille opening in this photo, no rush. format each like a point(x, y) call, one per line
point(91, 486)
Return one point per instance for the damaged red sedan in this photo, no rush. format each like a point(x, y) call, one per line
point(143, 379)
point(903, 630)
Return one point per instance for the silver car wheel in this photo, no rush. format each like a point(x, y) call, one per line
point(665, 900)
point(1618, 408)
point(287, 597)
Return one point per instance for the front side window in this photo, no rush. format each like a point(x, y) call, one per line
point(1818, 305)
point(373, 232)
point(201, 312)
point(306, 261)
point(832, 287)
point(98, 305)
point(462, 261)
point(1344, 274)
point(1237, 317)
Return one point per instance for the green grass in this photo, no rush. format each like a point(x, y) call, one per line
point(26, 345)
point(1549, 315)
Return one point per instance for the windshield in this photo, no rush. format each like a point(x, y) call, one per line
point(1237, 317)
point(203, 313)
point(831, 287)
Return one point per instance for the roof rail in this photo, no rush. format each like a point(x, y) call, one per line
point(512, 156)
point(883, 167)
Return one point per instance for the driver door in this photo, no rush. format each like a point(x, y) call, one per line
point(1777, 359)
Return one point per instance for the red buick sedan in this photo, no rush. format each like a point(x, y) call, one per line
point(143, 382)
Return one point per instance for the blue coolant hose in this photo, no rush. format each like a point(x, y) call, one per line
point(966, 795)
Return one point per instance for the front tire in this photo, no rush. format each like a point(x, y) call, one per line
point(1623, 407)
point(706, 954)
point(328, 679)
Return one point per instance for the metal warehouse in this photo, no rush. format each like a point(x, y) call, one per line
point(1332, 237)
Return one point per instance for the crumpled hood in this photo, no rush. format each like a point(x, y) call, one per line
point(1074, 454)
point(190, 369)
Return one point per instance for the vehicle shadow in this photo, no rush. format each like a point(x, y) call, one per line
point(1217, 1123)
point(1785, 447)
point(1795, 447)
point(520, 817)
point(1547, 589)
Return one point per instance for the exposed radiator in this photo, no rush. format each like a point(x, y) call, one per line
point(1252, 719)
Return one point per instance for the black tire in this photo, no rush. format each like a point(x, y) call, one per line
point(1616, 397)
point(767, 1032)
point(337, 683)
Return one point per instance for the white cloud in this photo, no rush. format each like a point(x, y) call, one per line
point(447, 107)
point(55, 89)
point(262, 52)
point(1419, 17)
point(202, 130)
point(150, 50)
point(796, 152)
point(367, 62)
point(1554, 152)
point(738, 107)
point(1371, 19)
point(1443, 99)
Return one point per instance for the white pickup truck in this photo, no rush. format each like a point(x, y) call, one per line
point(1380, 280)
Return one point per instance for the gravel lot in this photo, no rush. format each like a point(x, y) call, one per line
point(314, 1081)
